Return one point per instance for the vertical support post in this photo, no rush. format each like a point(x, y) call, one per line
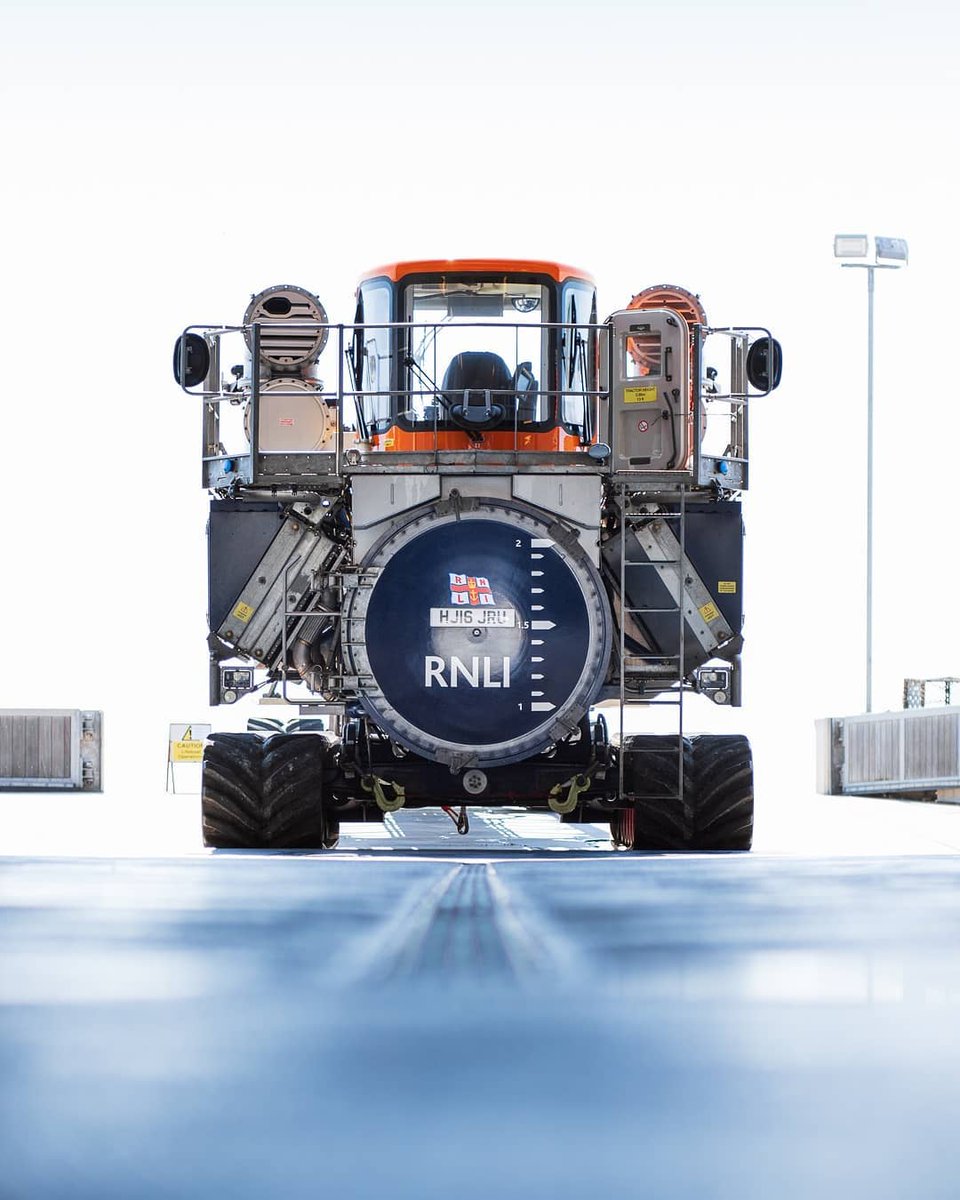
point(338, 450)
point(869, 672)
point(681, 600)
point(893, 248)
point(255, 403)
point(622, 496)
point(697, 364)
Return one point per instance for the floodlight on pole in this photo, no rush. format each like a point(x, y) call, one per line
point(891, 248)
point(850, 245)
point(856, 245)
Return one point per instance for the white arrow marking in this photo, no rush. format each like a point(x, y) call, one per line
point(536, 676)
point(536, 693)
point(541, 706)
point(541, 625)
point(536, 591)
point(540, 542)
point(536, 641)
point(533, 657)
point(536, 556)
point(536, 573)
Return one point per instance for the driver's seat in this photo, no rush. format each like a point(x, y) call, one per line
point(477, 386)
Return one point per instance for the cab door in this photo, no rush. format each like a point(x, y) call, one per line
point(649, 390)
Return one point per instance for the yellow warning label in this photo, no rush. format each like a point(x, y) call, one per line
point(709, 612)
point(727, 587)
point(186, 751)
point(243, 612)
point(641, 394)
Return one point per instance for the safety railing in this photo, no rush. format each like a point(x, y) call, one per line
point(416, 421)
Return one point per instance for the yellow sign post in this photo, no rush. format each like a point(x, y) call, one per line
point(184, 745)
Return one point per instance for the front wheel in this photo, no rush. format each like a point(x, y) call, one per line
point(268, 794)
point(694, 795)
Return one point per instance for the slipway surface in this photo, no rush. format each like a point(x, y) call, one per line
point(522, 1012)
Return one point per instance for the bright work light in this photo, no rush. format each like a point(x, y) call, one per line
point(850, 245)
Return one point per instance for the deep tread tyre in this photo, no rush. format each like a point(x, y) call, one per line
point(231, 802)
point(723, 770)
point(660, 819)
point(716, 812)
point(293, 778)
point(268, 794)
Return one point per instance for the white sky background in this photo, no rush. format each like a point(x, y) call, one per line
point(164, 161)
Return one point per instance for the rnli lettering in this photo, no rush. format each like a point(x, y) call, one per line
point(481, 673)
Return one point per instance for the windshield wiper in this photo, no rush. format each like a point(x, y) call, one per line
point(431, 384)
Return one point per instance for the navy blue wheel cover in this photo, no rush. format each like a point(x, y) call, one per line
point(479, 631)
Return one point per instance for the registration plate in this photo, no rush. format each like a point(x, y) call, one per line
point(498, 618)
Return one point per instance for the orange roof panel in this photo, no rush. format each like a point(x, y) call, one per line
point(462, 266)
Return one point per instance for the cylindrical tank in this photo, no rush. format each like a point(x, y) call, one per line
point(480, 631)
point(295, 417)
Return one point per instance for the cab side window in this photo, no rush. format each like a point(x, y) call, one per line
point(577, 352)
point(376, 355)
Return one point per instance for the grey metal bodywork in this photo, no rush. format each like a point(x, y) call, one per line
point(303, 579)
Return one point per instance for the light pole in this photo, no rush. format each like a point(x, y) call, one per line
point(889, 255)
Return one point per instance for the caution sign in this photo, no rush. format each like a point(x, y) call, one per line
point(186, 751)
point(709, 612)
point(727, 587)
point(185, 745)
point(243, 612)
point(640, 394)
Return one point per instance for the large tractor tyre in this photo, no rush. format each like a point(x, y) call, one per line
point(294, 768)
point(231, 794)
point(267, 794)
point(716, 811)
point(723, 774)
point(660, 819)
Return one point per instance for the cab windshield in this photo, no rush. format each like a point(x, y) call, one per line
point(479, 338)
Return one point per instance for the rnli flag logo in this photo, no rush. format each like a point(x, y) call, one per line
point(470, 589)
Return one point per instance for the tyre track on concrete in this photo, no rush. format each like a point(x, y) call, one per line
point(467, 926)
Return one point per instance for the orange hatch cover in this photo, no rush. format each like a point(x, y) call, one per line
point(465, 266)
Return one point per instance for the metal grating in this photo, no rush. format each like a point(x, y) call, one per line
point(917, 750)
point(921, 693)
point(930, 747)
point(872, 751)
point(49, 748)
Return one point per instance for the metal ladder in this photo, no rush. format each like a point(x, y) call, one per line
point(674, 680)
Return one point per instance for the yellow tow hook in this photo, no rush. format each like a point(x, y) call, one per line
point(576, 785)
point(376, 785)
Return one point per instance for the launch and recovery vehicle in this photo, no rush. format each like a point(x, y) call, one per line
point(492, 527)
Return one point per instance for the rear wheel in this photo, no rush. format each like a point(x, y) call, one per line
point(662, 814)
point(267, 794)
point(231, 800)
point(712, 811)
point(723, 766)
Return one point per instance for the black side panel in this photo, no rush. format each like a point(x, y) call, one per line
point(238, 535)
point(714, 545)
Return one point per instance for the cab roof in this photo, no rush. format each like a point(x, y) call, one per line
point(468, 266)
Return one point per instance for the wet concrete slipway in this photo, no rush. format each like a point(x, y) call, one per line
point(518, 1013)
